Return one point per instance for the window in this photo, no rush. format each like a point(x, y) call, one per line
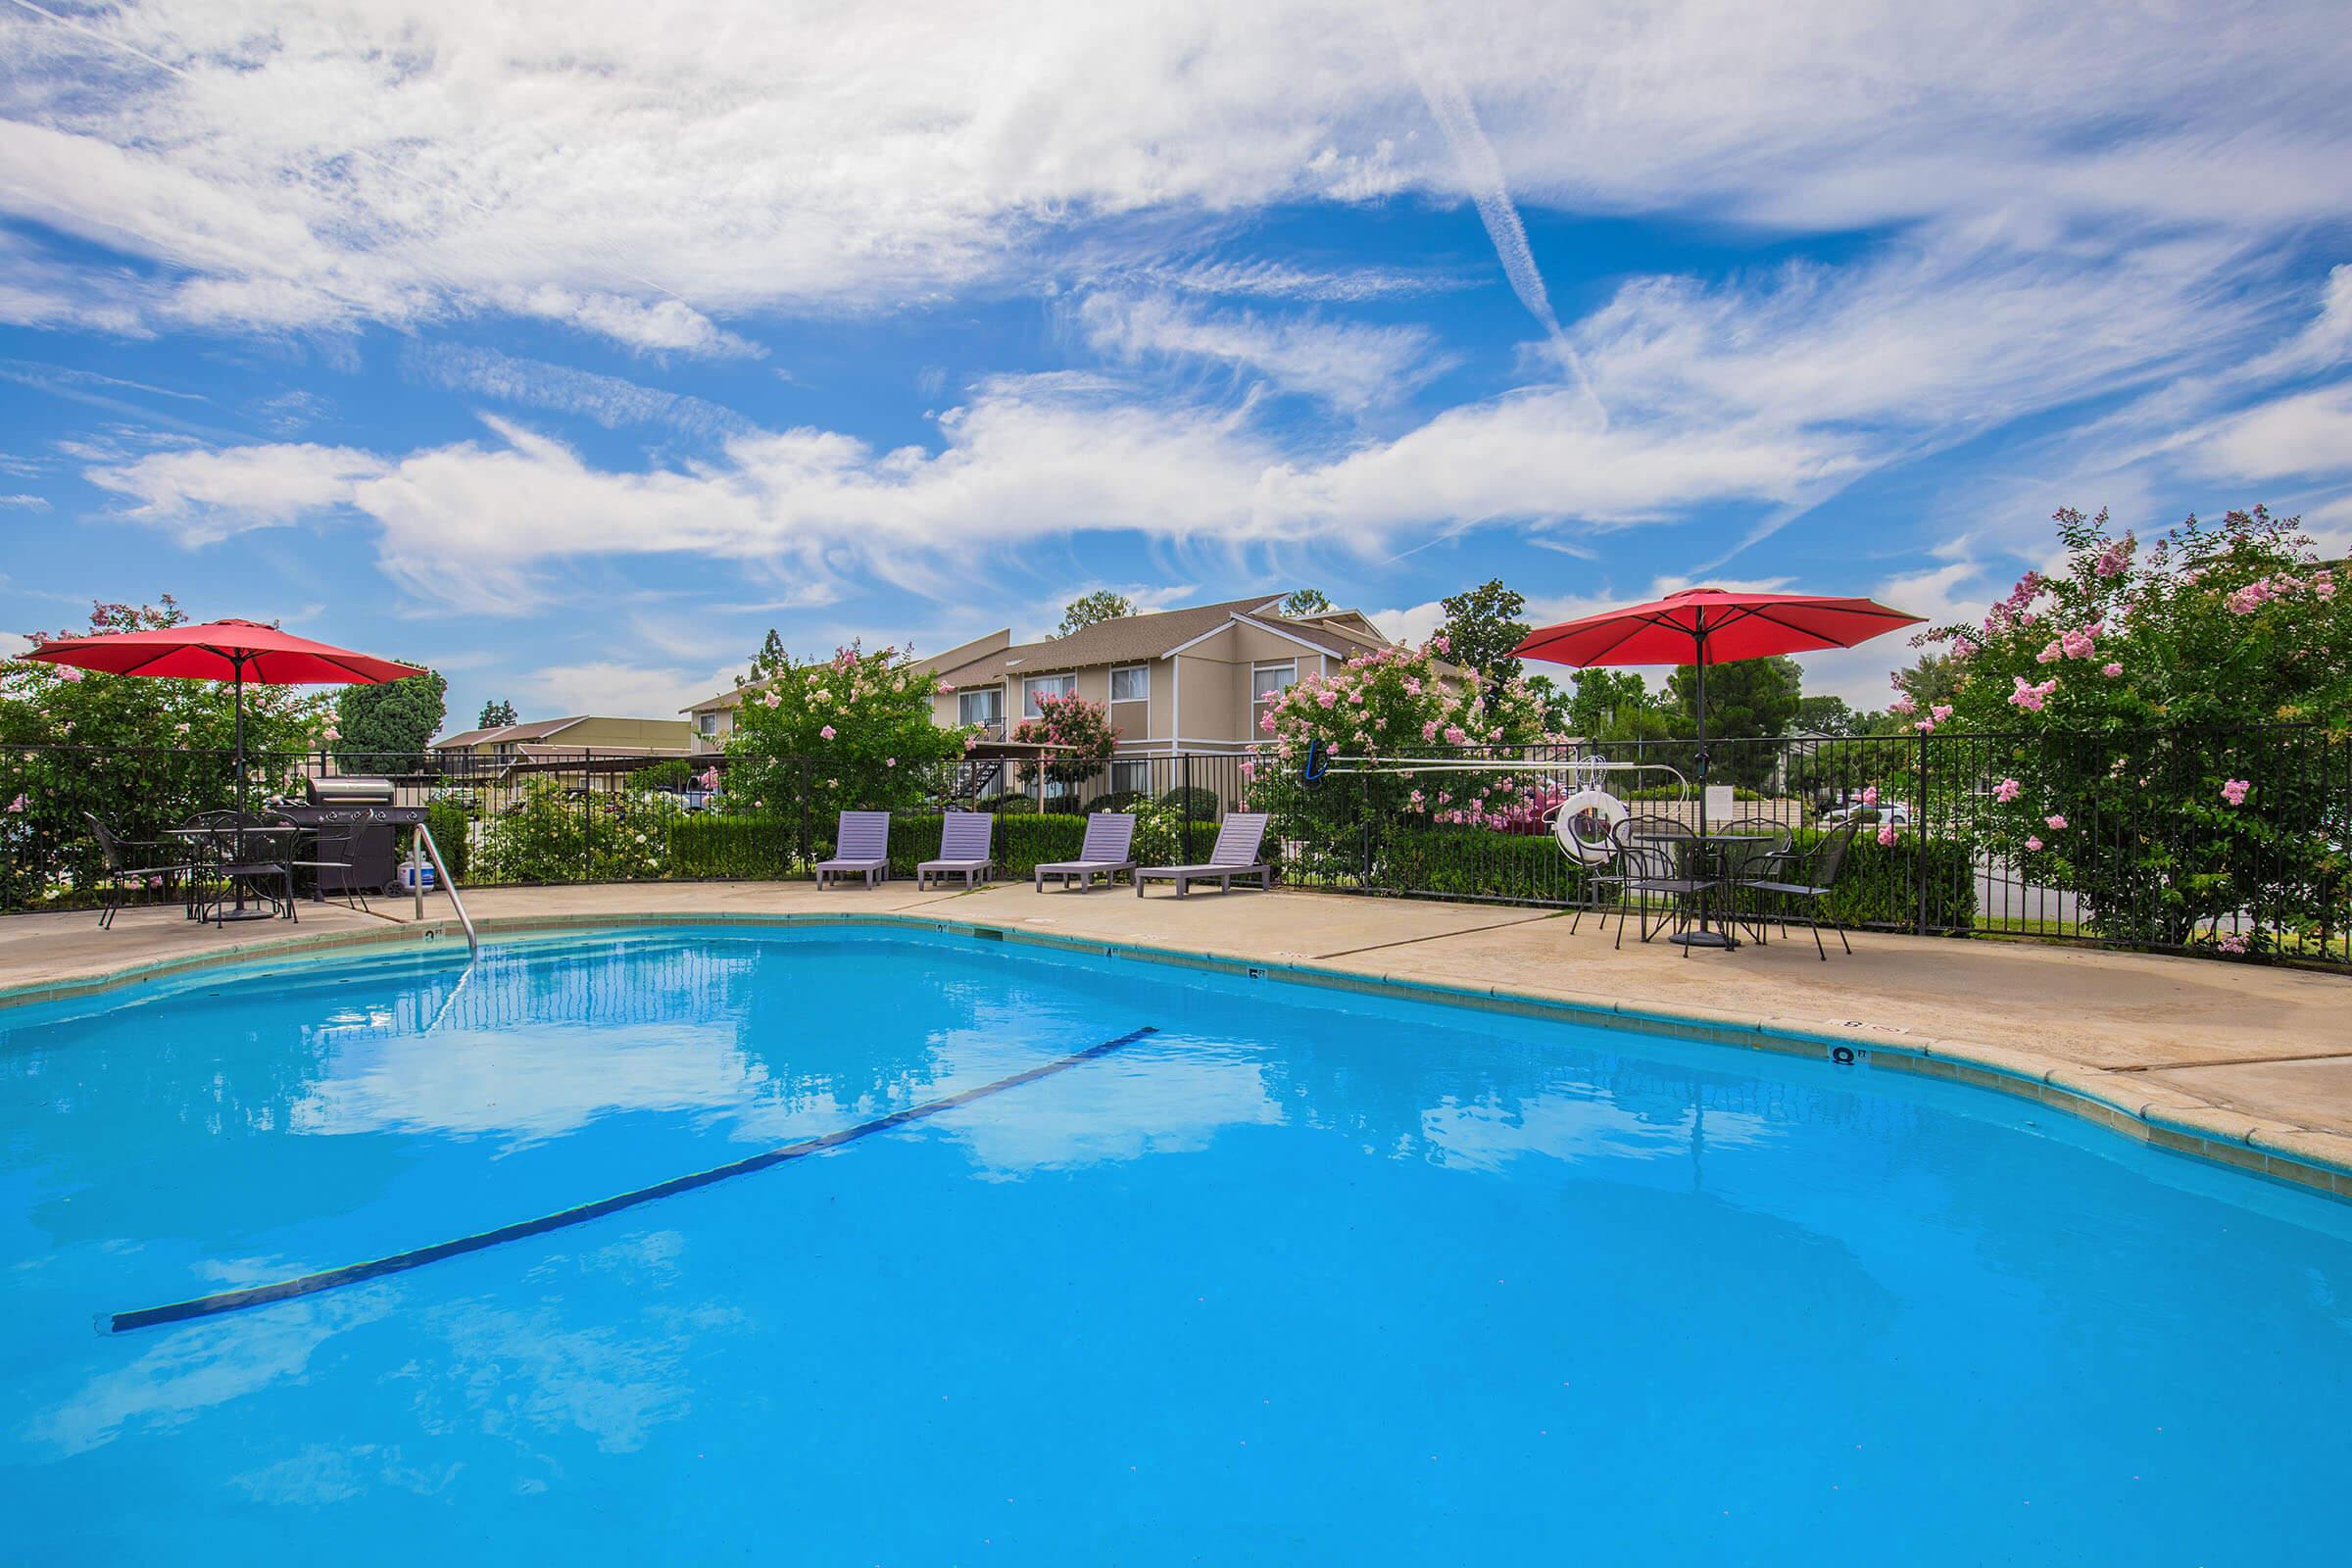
point(1130, 778)
point(983, 705)
point(707, 723)
point(1037, 686)
point(1132, 684)
point(1269, 682)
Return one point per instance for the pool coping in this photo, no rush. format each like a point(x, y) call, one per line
point(2149, 1113)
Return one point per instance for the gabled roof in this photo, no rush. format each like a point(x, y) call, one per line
point(537, 729)
point(1127, 640)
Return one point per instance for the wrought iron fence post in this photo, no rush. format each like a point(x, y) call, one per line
point(587, 823)
point(1185, 778)
point(1919, 837)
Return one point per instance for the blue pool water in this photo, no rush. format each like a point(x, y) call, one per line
point(1302, 1276)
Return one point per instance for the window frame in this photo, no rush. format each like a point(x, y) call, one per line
point(1260, 698)
point(963, 716)
point(1130, 766)
point(1144, 670)
point(1065, 685)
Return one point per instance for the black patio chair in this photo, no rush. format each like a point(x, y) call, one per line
point(1752, 849)
point(1808, 875)
point(237, 859)
point(1653, 862)
point(336, 850)
point(122, 877)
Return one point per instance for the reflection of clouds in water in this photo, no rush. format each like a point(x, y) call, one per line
point(1486, 1135)
point(528, 1084)
point(196, 1367)
point(1120, 1108)
point(522, 1373)
point(319, 1475)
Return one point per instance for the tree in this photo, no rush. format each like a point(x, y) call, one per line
point(1827, 715)
point(2143, 711)
point(1747, 699)
point(498, 716)
point(389, 723)
point(1612, 704)
point(767, 660)
point(853, 732)
point(1070, 721)
point(1305, 601)
point(1089, 608)
point(1482, 627)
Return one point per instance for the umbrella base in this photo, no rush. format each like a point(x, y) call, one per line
point(254, 911)
point(1703, 938)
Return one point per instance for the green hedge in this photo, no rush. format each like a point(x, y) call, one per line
point(709, 845)
point(1877, 886)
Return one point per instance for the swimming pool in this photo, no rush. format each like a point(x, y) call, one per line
point(1298, 1276)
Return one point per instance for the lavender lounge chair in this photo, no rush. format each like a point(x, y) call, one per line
point(1234, 854)
point(962, 847)
point(863, 845)
point(1107, 851)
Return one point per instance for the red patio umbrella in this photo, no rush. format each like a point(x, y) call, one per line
point(235, 651)
point(1702, 626)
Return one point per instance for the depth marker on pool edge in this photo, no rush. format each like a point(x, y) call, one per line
point(353, 1274)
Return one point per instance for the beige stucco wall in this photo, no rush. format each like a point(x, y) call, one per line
point(651, 734)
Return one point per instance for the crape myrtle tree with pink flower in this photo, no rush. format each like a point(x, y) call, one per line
point(1072, 721)
point(853, 732)
point(2154, 716)
point(1398, 702)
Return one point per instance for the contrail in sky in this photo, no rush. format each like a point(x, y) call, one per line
point(1482, 172)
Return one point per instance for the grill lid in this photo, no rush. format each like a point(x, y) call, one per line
point(344, 790)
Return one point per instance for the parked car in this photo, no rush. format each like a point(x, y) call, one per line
point(1894, 812)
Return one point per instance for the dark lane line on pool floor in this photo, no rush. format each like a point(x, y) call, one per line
point(353, 1274)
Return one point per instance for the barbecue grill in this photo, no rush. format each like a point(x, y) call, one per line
point(359, 826)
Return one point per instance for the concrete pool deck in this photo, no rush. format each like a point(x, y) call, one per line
point(2242, 1063)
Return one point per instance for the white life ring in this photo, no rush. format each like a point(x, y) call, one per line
point(1585, 826)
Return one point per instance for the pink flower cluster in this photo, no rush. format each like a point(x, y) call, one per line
point(2007, 790)
point(1886, 834)
point(2234, 790)
point(2031, 698)
point(2231, 942)
point(2114, 559)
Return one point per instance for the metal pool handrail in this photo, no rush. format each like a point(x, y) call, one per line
point(425, 841)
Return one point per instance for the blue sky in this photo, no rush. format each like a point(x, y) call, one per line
point(570, 348)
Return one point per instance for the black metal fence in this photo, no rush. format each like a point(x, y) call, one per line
point(2160, 847)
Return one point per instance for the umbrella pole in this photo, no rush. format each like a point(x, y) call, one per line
point(1701, 755)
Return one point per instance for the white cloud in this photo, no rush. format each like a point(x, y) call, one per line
point(1346, 364)
point(210, 495)
point(2307, 433)
point(1283, 280)
point(610, 400)
point(27, 501)
point(611, 687)
point(1027, 457)
point(287, 166)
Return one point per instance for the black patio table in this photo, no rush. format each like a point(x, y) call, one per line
point(1709, 849)
point(274, 833)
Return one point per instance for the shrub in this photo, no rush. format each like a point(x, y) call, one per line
point(671, 774)
point(1203, 802)
point(451, 827)
point(551, 835)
